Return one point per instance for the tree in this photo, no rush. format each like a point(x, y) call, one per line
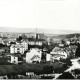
point(66, 61)
point(19, 38)
point(66, 75)
point(24, 36)
point(76, 71)
point(63, 41)
point(47, 69)
point(12, 43)
point(77, 54)
point(2, 71)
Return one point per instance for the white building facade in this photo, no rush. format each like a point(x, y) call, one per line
point(39, 43)
point(19, 47)
point(14, 59)
point(25, 45)
point(48, 57)
point(33, 56)
point(56, 54)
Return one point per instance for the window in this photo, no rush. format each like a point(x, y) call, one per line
point(17, 48)
point(18, 51)
point(14, 46)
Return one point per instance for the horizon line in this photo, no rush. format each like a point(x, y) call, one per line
point(39, 30)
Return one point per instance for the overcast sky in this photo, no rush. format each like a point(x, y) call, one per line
point(43, 14)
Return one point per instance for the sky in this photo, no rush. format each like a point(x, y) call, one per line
point(40, 14)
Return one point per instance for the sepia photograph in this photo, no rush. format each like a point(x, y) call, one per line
point(39, 39)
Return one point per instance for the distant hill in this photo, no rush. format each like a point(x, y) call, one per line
point(38, 30)
point(63, 36)
point(48, 32)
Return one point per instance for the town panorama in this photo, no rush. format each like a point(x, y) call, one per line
point(36, 55)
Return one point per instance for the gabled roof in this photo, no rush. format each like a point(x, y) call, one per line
point(24, 41)
point(56, 49)
point(35, 50)
point(35, 57)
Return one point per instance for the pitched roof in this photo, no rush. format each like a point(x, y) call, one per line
point(35, 57)
point(17, 46)
point(56, 49)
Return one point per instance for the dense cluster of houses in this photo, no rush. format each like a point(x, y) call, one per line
point(57, 54)
point(34, 54)
point(30, 49)
point(20, 50)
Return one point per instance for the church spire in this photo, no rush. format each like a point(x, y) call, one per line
point(36, 34)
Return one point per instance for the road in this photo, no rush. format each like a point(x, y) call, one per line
point(75, 65)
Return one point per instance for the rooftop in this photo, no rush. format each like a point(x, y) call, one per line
point(17, 46)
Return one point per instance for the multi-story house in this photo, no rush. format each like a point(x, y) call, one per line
point(56, 54)
point(37, 42)
point(34, 55)
point(19, 47)
point(16, 59)
point(36, 39)
point(25, 45)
